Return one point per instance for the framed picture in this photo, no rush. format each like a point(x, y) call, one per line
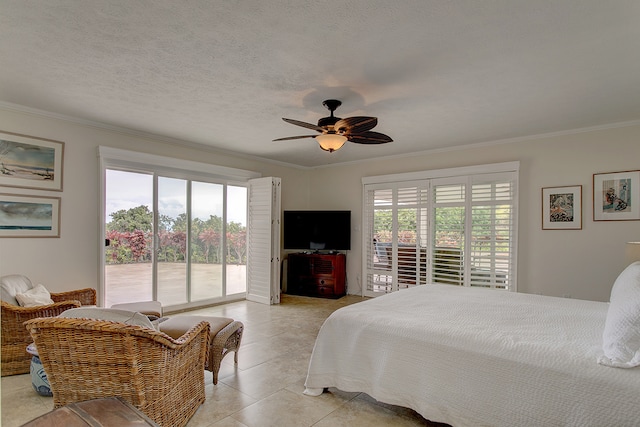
point(616, 196)
point(30, 162)
point(29, 216)
point(562, 208)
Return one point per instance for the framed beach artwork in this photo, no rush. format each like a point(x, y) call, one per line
point(616, 196)
point(29, 216)
point(562, 208)
point(30, 162)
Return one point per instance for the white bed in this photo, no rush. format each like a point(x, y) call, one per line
point(476, 357)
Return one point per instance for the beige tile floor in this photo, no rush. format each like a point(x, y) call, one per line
point(265, 389)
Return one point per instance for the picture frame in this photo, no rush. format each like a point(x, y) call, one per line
point(616, 196)
point(30, 162)
point(562, 208)
point(29, 216)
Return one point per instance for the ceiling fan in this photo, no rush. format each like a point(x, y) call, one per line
point(334, 131)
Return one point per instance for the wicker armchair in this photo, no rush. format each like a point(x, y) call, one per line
point(15, 338)
point(88, 359)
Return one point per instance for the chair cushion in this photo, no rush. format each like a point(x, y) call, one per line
point(176, 326)
point(36, 296)
point(111, 314)
point(150, 308)
point(11, 285)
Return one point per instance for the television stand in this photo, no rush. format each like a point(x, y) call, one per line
point(316, 275)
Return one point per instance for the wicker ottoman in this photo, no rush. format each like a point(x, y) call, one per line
point(225, 337)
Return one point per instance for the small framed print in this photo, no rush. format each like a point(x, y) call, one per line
point(30, 162)
point(29, 216)
point(616, 196)
point(562, 208)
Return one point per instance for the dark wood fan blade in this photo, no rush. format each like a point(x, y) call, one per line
point(304, 124)
point(369, 138)
point(294, 137)
point(356, 124)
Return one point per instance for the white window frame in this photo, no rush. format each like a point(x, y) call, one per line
point(438, 175)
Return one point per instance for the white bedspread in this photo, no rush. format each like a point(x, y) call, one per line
point(476, 357)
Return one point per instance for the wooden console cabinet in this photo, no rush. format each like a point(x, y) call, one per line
point(316, 275)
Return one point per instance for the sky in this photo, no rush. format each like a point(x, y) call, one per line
point(125, 190)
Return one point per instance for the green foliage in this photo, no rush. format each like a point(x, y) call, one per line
point(491, 229)
point(131, 235)
point(138, 218)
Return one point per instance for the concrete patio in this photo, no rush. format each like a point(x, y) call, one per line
point(133, 282)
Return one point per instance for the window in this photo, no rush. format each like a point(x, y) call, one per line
point(176, 230)
point(454, 226)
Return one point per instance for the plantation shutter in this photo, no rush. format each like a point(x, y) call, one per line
point(378, 245)
point(492, 231)
point(411, 236)
point(263, 241)
point(397, 222)
point(448, 231)
point(457, 230)
point(474, 230)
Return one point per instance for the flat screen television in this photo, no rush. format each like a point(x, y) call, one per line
point(317, 230)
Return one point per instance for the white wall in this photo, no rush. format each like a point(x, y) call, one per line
point(580, 263)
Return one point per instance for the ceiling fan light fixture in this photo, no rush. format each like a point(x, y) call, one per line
point(334, 131)
point(330, 141)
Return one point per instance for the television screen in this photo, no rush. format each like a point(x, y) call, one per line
point(317, 230)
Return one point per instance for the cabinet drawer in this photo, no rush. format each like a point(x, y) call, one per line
point(319, 281)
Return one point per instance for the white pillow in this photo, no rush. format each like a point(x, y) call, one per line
point(621, 337)
point(115, 315)
point(38, 295)
point(11, 285)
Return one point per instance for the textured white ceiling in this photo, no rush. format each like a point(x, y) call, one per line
point(436, 73)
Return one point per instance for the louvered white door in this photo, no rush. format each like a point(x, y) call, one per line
point(457, 230)
point(263, 241)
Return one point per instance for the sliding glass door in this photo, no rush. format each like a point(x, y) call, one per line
point(206, 243)
point(128, 268)
point(236, 258)
point(175, 240)
point(171, 247)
